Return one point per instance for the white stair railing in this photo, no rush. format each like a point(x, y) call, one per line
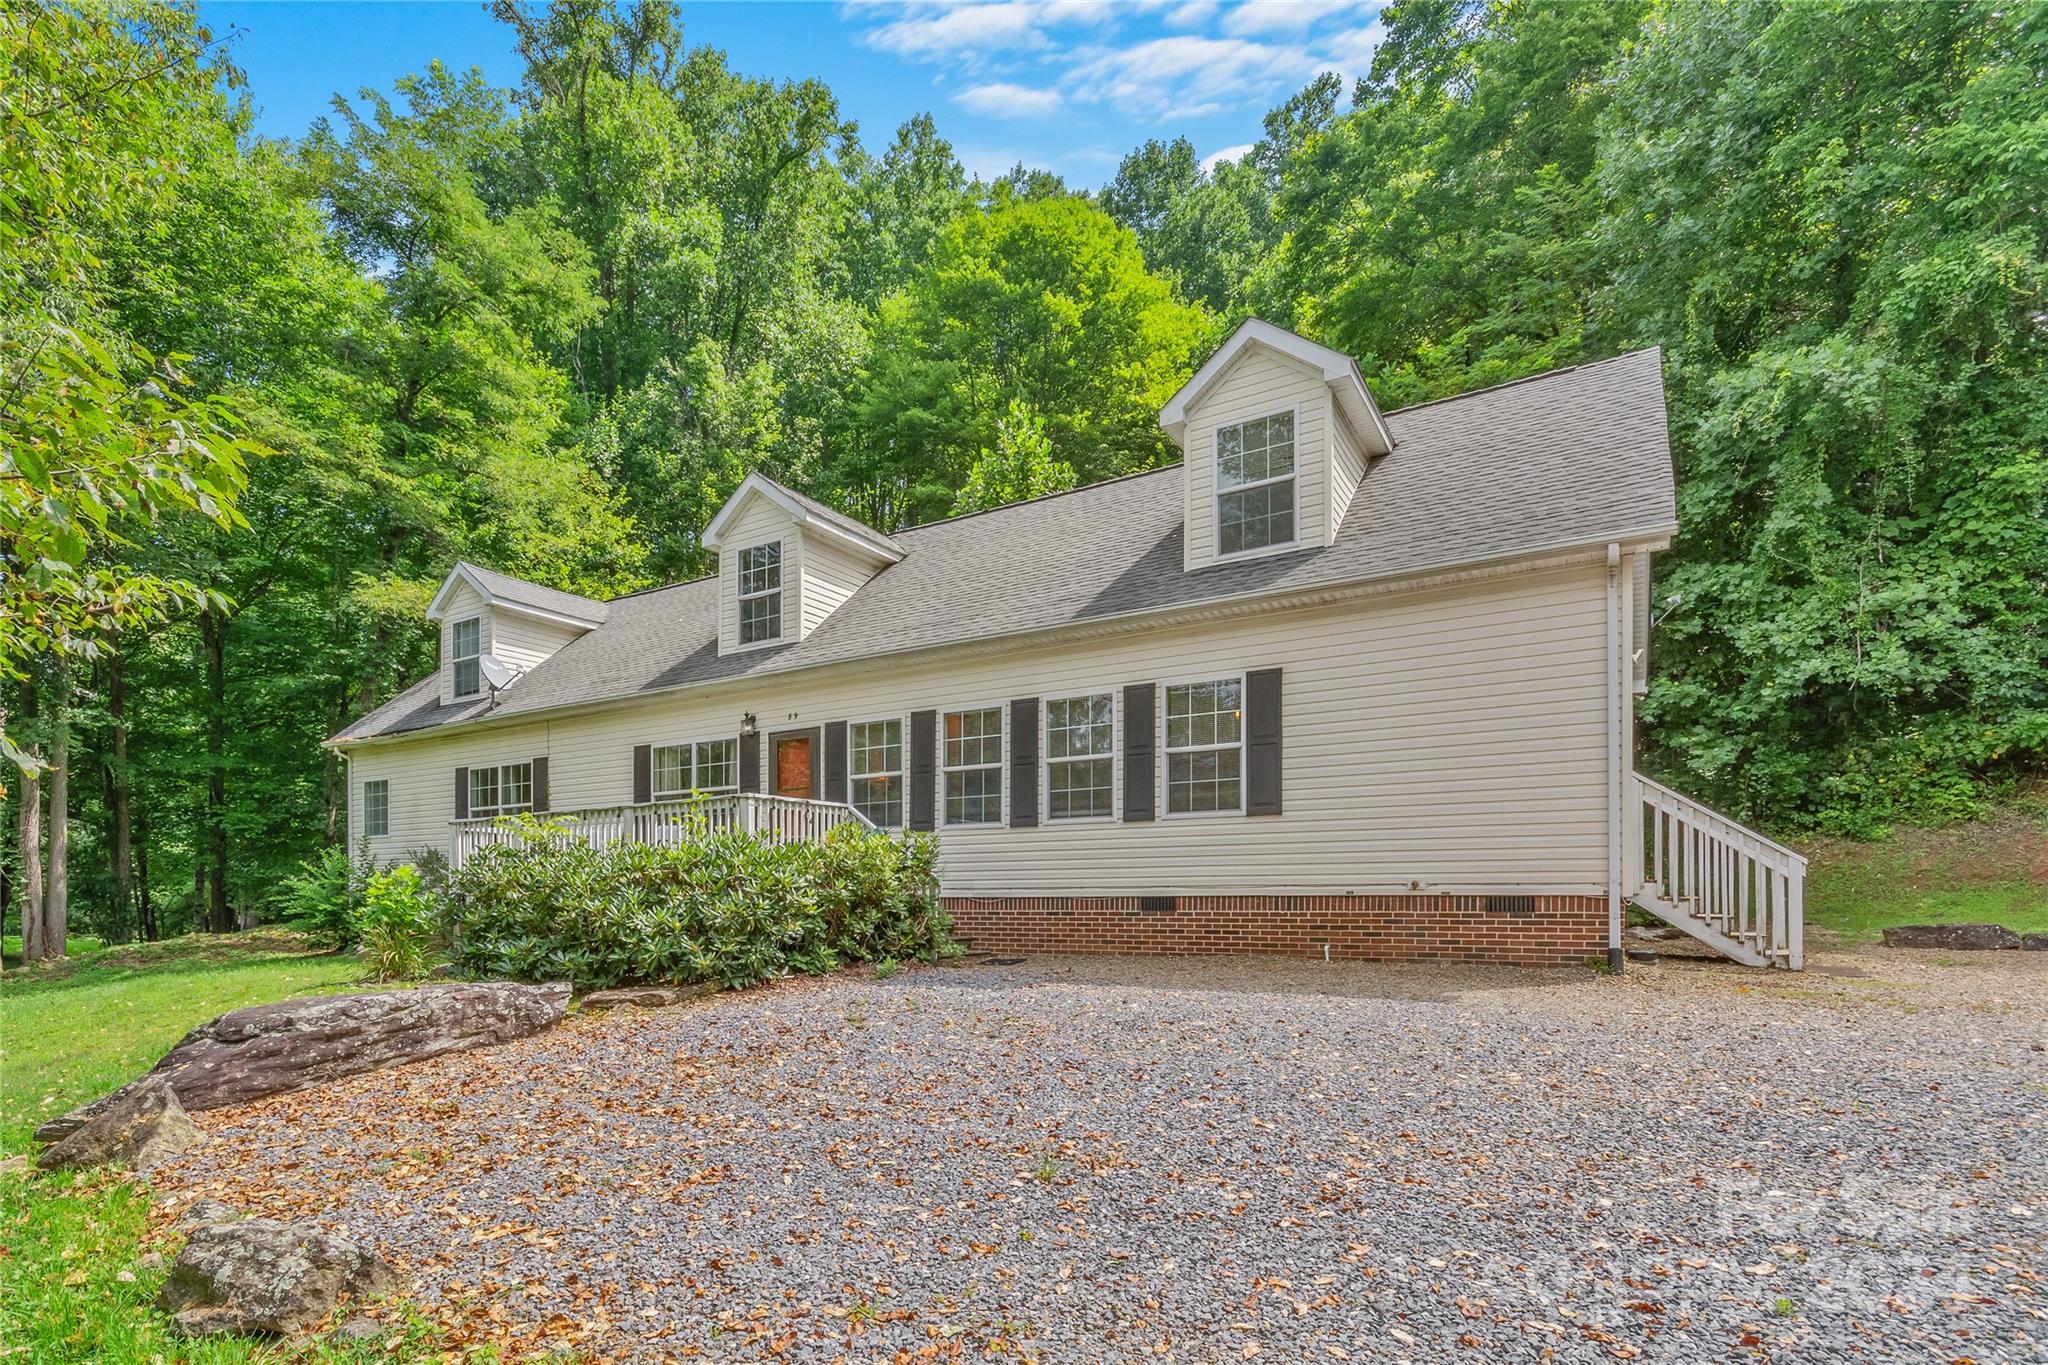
point(1725, 884)
point(779, 819)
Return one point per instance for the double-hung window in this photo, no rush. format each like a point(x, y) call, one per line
point(760, 570)
point(1255, 484)
point(1080, 737)
point(501, 790)
point(465, 645)
point(1205, 746)
point(708, 765)
point(973, 760)
point(874, 750)
point(376, 808)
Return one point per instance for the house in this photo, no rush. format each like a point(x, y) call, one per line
point(1341, 682)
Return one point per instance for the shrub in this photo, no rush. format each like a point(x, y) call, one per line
point(727, 907)
point(395, 924)
point(322, 900)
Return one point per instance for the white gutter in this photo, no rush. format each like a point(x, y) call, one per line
point(1617, 778)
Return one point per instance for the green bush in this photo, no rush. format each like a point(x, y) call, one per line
point(395, 924)
point(726, 907)
point(322, 900)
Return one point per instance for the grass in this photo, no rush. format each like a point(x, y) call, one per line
point(1993, 870)
point(72, 1031)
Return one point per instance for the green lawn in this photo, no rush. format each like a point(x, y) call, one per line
point(1993, 870)
point(74, 1030)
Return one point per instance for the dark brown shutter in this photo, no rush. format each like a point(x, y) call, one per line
point(540, 784)
point(835, 760)
point(643, 774)
point(462, 793)
point(1141, 704)
point(924, 745)
point(1262, 742)
point(750, 762)
point(1023, 762)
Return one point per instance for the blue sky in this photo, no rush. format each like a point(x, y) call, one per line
point(1069, 85)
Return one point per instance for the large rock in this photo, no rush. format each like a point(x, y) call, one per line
point(140, 1126)
point(1967, 937)
point(646, 997)
point(270, 1049)
point(263, 1276)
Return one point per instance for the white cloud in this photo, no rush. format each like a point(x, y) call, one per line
point(1001, 99)
point(1282, 16)
point(962, 31)
point(1237, 153)
point(1193, 14)
point(1190, 76)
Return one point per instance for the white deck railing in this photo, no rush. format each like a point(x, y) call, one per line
point(777, 818)
point(1745, 887)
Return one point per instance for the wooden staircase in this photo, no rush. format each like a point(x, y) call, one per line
point(1726, 885)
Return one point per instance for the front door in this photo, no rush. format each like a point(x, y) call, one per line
point(795, 770)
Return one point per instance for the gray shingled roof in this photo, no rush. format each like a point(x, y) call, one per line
point(519, 592)
point(1572, 458)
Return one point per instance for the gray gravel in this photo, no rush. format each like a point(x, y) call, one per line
point(1089, 1160)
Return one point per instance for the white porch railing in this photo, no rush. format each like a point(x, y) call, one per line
point(777, 818)
point(1726, 885)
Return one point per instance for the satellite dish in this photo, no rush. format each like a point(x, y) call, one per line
point(496, 671)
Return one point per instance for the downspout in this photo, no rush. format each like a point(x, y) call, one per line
point(1617, 778)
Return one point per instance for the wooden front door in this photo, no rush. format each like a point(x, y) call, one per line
point(796, 772)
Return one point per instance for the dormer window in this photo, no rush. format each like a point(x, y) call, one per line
point(1255, 484)
point(465, 646)
point(761, 593)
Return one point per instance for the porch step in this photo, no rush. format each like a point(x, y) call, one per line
point(1680, 918)
point(1726, 885)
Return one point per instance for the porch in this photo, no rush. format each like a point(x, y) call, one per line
point(782, 819)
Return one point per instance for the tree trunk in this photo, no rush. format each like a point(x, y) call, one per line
point(214, 846)
point(31, 836)
point(57, 898)
point(120, 818)
point(145, 907)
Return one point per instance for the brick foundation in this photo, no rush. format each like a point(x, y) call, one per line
point(1530, 931)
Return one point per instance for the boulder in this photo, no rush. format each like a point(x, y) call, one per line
point(645, 997)
point(265, 1277)
point(142, 1126)
point(2034, 943)
point(205, 1213)
point(1965, 937)
point(270, 1049)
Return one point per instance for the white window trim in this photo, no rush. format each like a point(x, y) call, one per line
point(902, 772)
point(739, 599)
point(501, 808)
point(456, 660)
point(1217, 490)
point(1115, 757)
point(1001, 765)
point(368, 783)
point(656, 794)
point(1166, 811)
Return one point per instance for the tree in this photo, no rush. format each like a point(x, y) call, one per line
point(1829, 216)
point(1019, 468)
point(1043, 301)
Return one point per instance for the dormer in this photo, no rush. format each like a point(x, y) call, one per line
point(491, 618)
point(1275, 433)
point(786, 563)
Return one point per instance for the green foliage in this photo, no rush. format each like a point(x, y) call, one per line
point(726, 907)
point(396, 922)
point(325, 898)
point(1021, 466)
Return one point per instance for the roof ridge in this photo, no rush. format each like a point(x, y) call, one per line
point(1042, 497)
point(1525, 379)
point(662, 587)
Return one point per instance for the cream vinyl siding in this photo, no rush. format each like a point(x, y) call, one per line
point(831, 574)
point(1259, 383)
point(1450, 739)
point(523, 642)
point(463, 603)
point(1347, 470)
point(760, 522)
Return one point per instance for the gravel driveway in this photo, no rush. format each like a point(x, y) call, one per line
point(1108, 1159)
